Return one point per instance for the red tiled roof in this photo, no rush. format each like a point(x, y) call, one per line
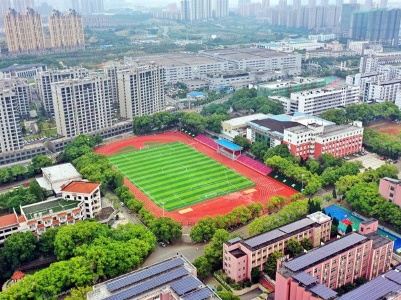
point(21, 219)
point(40, 226)
point(81, 187)
point(62, 214)
point(75, 210)
point(47, 218)
point(18, 275)
point(8, 220)
point(55, 222)
point(70, 218)
point(31, 222)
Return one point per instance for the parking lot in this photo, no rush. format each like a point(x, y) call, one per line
point(370, 160)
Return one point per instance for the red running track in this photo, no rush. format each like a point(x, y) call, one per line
point(265, 187)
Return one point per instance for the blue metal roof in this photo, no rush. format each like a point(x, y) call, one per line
point(229, 145)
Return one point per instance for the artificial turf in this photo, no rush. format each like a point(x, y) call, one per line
point(177, 175)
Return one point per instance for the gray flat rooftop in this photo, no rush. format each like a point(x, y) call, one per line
point(175, 59)
point(304, 261)
point(336, 129)
point(61, 172)
point(246, 53)
point(378, 240)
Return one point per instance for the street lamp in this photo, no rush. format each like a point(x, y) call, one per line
point(163, 207)
point(302, 180)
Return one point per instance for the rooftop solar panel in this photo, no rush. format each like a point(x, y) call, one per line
point(185, 285)
point(263, 238)
point(199, 295)
point(143, 274)
point(296, 225)
point(301, 262)
point(373, 290)
point(149, 284)
point(393, 276)
point(323, 291)
point(304, 278)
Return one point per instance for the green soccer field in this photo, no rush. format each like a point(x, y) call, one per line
point(177, 175)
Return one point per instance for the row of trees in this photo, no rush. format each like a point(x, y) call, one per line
point(20, 172)
point(289, 213)
point(301, 174)
point(87, 252)
point(245, 100)
point(22, 196)
point(381, 143)
point(363, 112)
point(164, 228)
point(206, 227)
point(165, 121)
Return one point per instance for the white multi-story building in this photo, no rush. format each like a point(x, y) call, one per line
point(255, 59)
point(371, 63)
point(23, 92)
point(317, 101)
point(88, 192)
point(82, 105)
point(365, 47)
point(44, 80)
point(384, 90)
point(10, 122)
point(180, 67)
point(80, 200)
point(141, 91)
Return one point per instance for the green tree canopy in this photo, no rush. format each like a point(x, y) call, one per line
point(166, 229)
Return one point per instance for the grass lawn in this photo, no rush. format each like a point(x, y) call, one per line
point(177, 175)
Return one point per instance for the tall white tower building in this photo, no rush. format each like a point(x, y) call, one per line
point(141, 91)
point(82, 105)
point(10, 124)
point(46, 78)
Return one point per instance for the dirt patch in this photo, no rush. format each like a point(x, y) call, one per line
point(265, 187)
point(387, 127)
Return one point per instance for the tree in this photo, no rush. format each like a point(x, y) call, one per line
point(387, 171)
point(335, 222)
point(294, 247)
point(203, 267)
point(46, 241)
point(242, 141)
point(166, 229)
point(333, 231)
point(364, 196)
point(259, 149)
point(203, 229)
point(279, 150)
point(255, 208)
point(307, 244)
point(5, 175)
point(255, 273)
point(271, 264)
point(19, 248)
point(79, 293)
point(70, 237)
point(349, 229)
point(40, 161)
point(227, 295)
point(213, 251)
point(36, 190)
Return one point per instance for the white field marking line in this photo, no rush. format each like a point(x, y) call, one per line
point(179, 198)
point(163, 171)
